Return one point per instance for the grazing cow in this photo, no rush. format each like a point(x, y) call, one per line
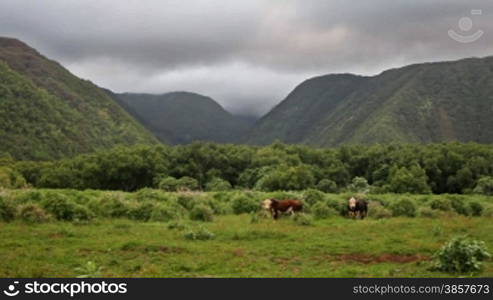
point(282, 206)
point(357, 207)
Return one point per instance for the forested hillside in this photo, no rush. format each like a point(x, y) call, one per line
point(183, 117)
point(434, 102)
point(48, 113)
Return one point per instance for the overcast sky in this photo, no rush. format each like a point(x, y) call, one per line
point(246, 54)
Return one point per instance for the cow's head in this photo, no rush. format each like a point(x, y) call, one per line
point(267, 203)
point(352, 203)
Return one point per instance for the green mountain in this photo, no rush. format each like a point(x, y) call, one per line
point(433, 102)
point(46, 112)
point(182, 117)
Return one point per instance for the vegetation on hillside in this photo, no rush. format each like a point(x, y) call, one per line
point(435, 102)
point(48, 113)
point(182, 117)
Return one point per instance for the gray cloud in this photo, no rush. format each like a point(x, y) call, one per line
point(245, 54)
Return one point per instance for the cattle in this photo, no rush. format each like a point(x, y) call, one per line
point(357, 207)
point(282, 206)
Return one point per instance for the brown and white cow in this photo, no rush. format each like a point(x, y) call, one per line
point(282, 206)
point(357, 207)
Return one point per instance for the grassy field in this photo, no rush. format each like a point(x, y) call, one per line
point(55, 233)
point(335, 247)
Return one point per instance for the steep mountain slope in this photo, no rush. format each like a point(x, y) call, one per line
point(435, 102)
point(182, 117)
point(46, 112)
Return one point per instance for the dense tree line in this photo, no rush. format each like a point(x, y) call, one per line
point(434, 168)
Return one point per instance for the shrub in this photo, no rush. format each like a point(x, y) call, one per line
point(7, 210)
point(187, 184)
point(141, 211)
point(243, 204)
point(303, 219)
point(338, 205)
point(312, 196)
point(33, 213)
point(441, 204)
point(113, 207)
point(165, 213)
point(11, 179)
point(404, 208)
point(484, 186)
point(488, 211)
point(202, 212)
point(476, 208)
point(327, 186)
point(461, 255)
point(59, 206)
point(89, 270)
point(187, 200)
point(149, 194)
point(320, 210)
point(171, 184)
point(200, 234)
point(459, 205)
point(359, 185)
point(428, 212)
point(82, 213)
point(178, 225)
point(378, 211)
point(218, 184)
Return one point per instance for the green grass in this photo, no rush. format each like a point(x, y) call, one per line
point(335, 247)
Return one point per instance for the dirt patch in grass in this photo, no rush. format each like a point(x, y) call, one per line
point(382, 258)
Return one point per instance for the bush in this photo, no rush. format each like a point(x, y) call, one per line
point(165, 213)
point(59, 206)
point(459, 205)
point(33, 213)
point(11, 179)
point(312, 196)
point(476, 208)
point(488, 211)
point(186, 200)
point(359, 185)
point(171, 184)
point(378, 211)
point(303, 219)
point(218, 184)
point(202, 212)
point(441, 204)
point(242, 204)
point(7, 210)
point(428, 212)
point(404, 208)
point(338, 205)
point(327, 186)
point(146, 194)
point(112, 207)
point(200, 234)
point(141, 211)
point(461, 255)
point(82, 213)
point(178, 225)
point(484, 186)
point(321, 211)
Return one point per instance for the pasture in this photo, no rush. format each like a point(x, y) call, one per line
point(148, 234)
